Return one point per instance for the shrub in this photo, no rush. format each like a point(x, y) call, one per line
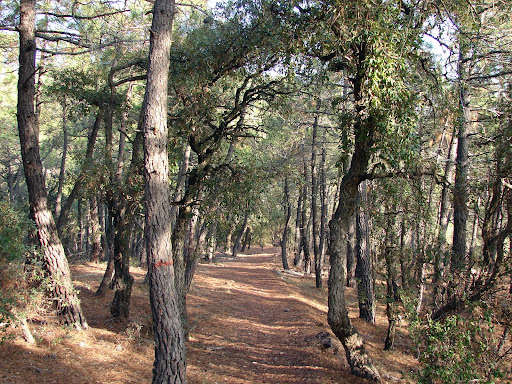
point(460, 348)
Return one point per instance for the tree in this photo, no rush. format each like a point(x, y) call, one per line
point(169, 365)
point(53, 257)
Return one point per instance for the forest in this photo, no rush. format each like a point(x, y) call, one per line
point(229, 191)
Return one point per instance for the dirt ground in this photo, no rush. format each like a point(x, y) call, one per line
point(250, 323)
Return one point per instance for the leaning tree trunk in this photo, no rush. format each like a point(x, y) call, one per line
point(364, 265)
point(169, 365)
point(53, 256)
point(337, 316)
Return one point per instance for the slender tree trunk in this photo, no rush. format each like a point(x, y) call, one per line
point(441, 255)
point(460, 191)
point(247, 240)
point(96, 253)
point(62, 172)
point(351, 254)
point(180, 182)
point(287, 216)
point(238, 238)
point(298, 232)
point(314, 202)
point(77, 187)
point(364, 266)
point(196, 251)
point(169, 365)
point(212, 242)
point(54, 259)
point(323, 206)
point(392, 295)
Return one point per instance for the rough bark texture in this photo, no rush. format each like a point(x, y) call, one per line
point(460, 190)
point(169, 365)
point(364, 266)
point(351, 254)
point(337, 316)
point(53, 257)
point(444, 218)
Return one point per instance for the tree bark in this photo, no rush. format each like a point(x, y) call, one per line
point(339, 321)
point(54, 259)
point(169, 365)
point(287, 216)
point(238, 238)
point(77, 187)
point(96, 253)
point(298, 225)
point(444, 218)
point(392, 295)
point(62, 172)
point(460, 191)
point(364, 266)
point(314, 203)
point(351, 254)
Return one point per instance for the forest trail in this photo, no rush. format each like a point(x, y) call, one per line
point(250, 323)
point(252, 326)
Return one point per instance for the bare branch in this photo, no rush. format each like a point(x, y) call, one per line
point(66, 16)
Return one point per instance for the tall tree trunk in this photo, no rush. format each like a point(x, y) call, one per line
point(364, 266)
point(287, 216)
point(298, 232)
point(180, 182)
point(339, 321)
point(54, 259)
point(62, 172)
point(169, 365)
point(247, 239)
point(444, 218)
point(324, 208)
point(392, 295)
point(460, 191)
point(96, 254)
point(212, 241)
point(77, 187)
point(314, 203)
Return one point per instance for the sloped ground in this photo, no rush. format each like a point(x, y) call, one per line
point(249, 324)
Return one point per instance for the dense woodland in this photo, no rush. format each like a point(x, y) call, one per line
point(369, 139)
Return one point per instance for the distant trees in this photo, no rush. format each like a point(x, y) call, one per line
point(273, 118)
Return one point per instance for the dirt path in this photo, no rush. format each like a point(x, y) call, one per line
point(253, 325)
point(249, 324)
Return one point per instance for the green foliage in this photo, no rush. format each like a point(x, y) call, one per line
point(460, 348)
point(16, 296)
point(13, 232)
